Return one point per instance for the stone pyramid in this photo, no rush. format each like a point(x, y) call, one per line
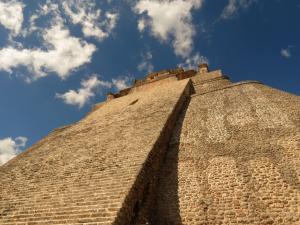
point(179, 147)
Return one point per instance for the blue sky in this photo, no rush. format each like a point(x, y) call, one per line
point(59, 57)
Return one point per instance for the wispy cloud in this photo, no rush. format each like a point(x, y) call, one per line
point(94, 21)
point(286, 52)
point(234, 6)
point(193, 62)
point(145, 64)
point(9, 148)
point(121, 82)
point(142, 24)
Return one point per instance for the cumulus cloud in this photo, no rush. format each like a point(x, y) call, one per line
point(146, 65)
point(286, 52)
point(193, 61)
point(9, 148)
point(169, 19)
point(93, 23)
point(84, 93)
point(11, 15)
point(234, 6)
point(62, 54)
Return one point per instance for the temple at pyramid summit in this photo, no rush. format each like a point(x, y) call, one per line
point(177, 148)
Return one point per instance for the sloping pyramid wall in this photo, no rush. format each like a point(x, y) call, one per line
point(234, 158)
point(196, 151)
point(98, 170)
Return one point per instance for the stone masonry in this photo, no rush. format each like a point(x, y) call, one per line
point(179, 147)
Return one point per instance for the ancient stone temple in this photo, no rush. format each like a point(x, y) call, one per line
point(179, 147)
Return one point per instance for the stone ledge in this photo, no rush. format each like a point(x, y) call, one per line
point(229, 86)
point(210, 80)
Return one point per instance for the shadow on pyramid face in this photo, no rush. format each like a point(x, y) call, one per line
point(167, 209)
point(224, 159)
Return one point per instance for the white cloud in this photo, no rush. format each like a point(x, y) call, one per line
point(32, 26)
point(122, 82)
point(142, 23)
point(62, 54)
point(89, 88)
point(146, 65)
point(85, 93)
point(170, 19)
point(93, 23)
point(193, 62)
point(49, 8)
point(286, 53)
point(234, 6)
point(11, 15)
point(9, 148)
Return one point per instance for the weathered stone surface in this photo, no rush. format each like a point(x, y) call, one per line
point(86, 172)
point(201, 150)
point(234, 158)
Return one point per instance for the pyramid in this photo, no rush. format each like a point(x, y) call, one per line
point(178, 147)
